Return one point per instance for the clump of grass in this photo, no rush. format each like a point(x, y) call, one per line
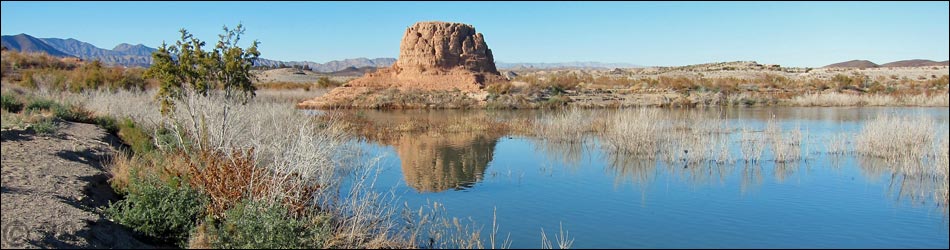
point(752, 144)
point(45, 126)
point(896, 138)
point(39, 104)
point(786, 147)
point(10, 103)
point(562, 239)
point(566, 126)
point(133, 135)
point(635, 132)
point(430, 228)
point(837, 144)
point(943, 167)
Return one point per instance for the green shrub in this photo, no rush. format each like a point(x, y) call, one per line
point(165, 211)
point(264, 226)
point(556, 101)
point(10, 103)
point(41, 104)
point(135, 137)
point(73, 113)
point(107, 123)
point(45, 126)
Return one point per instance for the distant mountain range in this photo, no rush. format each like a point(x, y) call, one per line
point(905, 63)
point(332, 66)
point(123, 54)
point(26, 43)
point(141, 55)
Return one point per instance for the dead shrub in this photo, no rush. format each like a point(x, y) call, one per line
point(230, 178)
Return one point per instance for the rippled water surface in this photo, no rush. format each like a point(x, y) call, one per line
point(608, 200)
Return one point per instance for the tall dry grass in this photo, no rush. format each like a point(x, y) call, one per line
point(837, 144)
point(565, 125)
point(835, 99)
point(561, 239)
point(896, 138)
point(635, 131)
point(943, 163)
point(786, 146)
point(752, 144)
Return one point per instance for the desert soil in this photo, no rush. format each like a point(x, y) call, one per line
point(55, 188)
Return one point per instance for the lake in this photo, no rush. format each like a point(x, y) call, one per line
point(707, 178)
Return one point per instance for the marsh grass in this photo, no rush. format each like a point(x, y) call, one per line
point(895, 138)
point(837, 144)
point(835, 99)
point(562, 239)
point(569, 125)
point(786, 146)
point(752, 144)
point(635, 131)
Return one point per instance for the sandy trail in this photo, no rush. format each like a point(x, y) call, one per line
point(54, 188)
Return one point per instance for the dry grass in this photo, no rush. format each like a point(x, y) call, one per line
point(942, 164)
point(786, 147)
point(635, 132)
point(752, 145)
point(428, 227)
point(565, 126)
point(837, 144)
point(835, 99)
point(562, 238)
point(896, 138)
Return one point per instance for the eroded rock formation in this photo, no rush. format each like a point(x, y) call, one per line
point(433, 56)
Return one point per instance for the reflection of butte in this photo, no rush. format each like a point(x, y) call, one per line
point(437, 162)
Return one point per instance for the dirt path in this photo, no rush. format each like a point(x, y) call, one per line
point(54, 188)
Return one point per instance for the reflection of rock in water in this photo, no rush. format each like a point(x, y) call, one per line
point(441, 162)
point(439, 150)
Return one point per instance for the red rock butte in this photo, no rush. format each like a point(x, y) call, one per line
point(433, 56)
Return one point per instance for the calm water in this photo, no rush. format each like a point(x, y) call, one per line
point(823, 201)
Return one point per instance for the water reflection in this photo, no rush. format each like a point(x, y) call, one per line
point(451, 150)
point(438, 150)
point(435, 163)
point(569, 153)
point(911, 180)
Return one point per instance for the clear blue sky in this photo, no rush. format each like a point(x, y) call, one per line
point(644, 33)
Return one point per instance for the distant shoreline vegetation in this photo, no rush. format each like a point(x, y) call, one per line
point(687, 86)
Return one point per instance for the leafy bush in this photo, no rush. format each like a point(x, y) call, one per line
point(135, 137)
point(165, 211)
point(260, 225)
point(45, 126)
point(41, 104)
point(10, 103)
point(73, 113)
point(108, 123)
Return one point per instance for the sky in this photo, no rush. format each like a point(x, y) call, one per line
point(802, 34)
